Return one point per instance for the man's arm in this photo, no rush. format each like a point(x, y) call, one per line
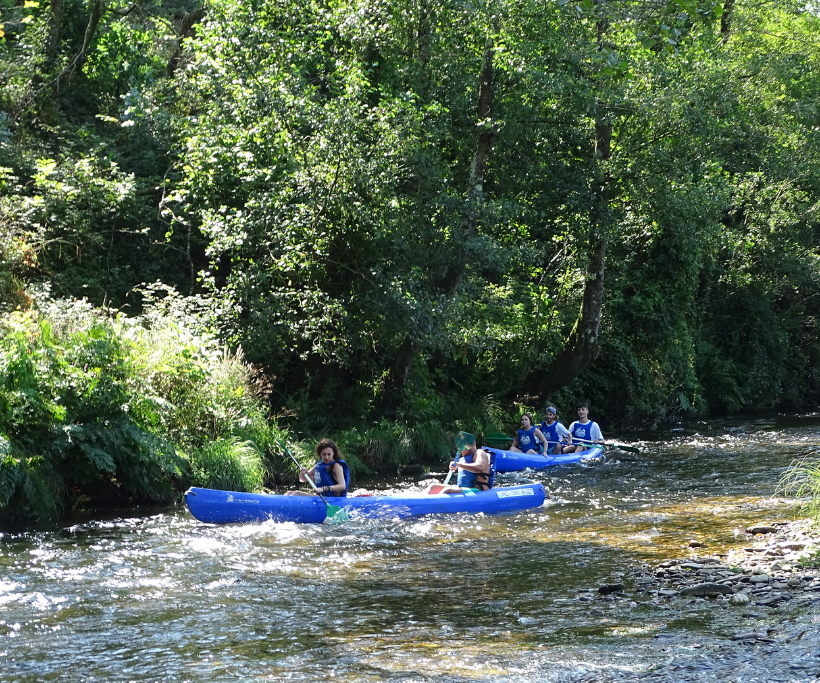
point(480, 466)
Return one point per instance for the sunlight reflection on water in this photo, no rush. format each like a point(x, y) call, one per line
point(450, 599)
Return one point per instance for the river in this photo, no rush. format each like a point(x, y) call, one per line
point(157, 596)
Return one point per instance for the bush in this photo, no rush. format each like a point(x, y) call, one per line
point(802, 480)
point(98, 409)
point(227, 464)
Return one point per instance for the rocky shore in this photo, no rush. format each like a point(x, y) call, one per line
point(774, 569)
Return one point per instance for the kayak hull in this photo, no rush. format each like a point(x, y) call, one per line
point(229, 507)
point(508, 461)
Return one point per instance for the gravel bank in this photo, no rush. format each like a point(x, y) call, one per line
point(769, 571)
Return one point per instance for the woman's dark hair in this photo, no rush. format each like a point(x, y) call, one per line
point(523, 415)
point(328, 443)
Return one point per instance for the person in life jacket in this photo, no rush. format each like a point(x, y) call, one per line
point(330, 475)
point(584, 431)
point(554, 432)
point(528, 437)
point(475, 472)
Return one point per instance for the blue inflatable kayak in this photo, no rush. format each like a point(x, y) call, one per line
point(508, 461)
point(226, 507)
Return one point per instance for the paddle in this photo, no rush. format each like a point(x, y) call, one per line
point(437, 488)
point(628, 449)
point(462, 440)
point(334, 512)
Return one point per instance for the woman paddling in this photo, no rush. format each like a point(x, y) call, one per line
point(331, 474)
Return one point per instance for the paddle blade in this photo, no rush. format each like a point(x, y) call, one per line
point(628, 449)
point(463, 440)
point(336, 515)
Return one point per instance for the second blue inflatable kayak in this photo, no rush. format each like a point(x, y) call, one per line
point(225, 507)
point(508, 461)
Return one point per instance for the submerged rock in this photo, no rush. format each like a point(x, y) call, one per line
point(707, 589)
point(691, 565)
point(774, 600)
point(608, 588)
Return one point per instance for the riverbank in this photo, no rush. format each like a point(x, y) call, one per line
point(777, 568)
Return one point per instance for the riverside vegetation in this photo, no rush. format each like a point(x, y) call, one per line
point(388, 221)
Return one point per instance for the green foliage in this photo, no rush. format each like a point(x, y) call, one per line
point(812, 560)
point(227, 464)
point(99, 409)
point(305, 172)
point(802, 480)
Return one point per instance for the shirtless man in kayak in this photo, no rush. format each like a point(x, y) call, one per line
point(473, 467)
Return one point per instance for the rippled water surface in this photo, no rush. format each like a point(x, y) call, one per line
point(162, 597)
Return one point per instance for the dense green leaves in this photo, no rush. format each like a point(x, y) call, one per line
point(396, 208)
point(112, 410)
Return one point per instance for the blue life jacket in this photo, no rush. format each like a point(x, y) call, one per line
point(526, 439)
point(471, 480)
point(550, 433)
point(582, 432)
point(322, 477)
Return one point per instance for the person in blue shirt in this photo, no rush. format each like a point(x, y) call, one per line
point(330, 475)
point(473, 467)
point(583, 431)
point(528, 437)
point(557, 436)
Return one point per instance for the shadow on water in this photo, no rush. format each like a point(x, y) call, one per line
point(145, 597)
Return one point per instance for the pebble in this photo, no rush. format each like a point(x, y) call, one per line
point(691, 565)
point(706, 589)
point(767, 574)
point(608, 588)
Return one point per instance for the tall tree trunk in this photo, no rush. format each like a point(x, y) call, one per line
point(449, 282)
point(583, 342)
point(475, 189)
point(185, 29)
point(424, 41)
point(726, 19)
point(54, 32)
point(582, 345)
point(98, 10)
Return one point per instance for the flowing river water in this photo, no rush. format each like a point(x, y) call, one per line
point(159, 596)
